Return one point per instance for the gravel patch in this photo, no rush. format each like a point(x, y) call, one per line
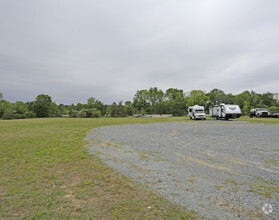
point(224, 169)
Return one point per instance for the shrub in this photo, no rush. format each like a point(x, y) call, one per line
point(95, 113)
point(74, 113)
point(29, 115)
point(82, 113)
point(10, 115)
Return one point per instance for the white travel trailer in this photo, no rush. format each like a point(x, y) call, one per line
point(225, 111)
point(196, 112)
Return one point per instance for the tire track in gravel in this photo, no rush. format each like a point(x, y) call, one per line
point(221, 169)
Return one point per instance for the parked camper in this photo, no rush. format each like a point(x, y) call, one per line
point(225, 111)
point(196, 112)
point(259, 112)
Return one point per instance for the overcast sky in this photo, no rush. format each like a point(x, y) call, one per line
point(76, 49)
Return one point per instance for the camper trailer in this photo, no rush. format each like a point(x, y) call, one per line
point(196, 112)
point(224, 111)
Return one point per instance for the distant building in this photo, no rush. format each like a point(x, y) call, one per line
point(276, 96)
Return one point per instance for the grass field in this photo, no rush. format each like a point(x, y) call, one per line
point(46, 173)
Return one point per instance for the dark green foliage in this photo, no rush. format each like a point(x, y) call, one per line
point(145, 101)
point(118, 110)
point(73, 113)
point(5, 107)
point(274, 109)
point(9, 115)
point(29, 114)
point(53, 110)
point(42, 105)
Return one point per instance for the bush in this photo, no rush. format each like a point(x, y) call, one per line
point(29, 115)
point(74, 113)
point(274, 109)
point(82, 113)
point(10, 115)
point(95, 113)
point(89, 113)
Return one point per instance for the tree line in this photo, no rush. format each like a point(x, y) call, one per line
point(146, 101)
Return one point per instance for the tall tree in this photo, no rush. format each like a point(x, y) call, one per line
point(267, 99)
point(176, 102)
point(53, 110)
point(155, 95)
point(1, 96)
point(216, 96)
point(197, 97)
point(91, 102)
point(5, 108)
point(242, 98)
point(41, 105)
point(141, 101)
point(20, 107)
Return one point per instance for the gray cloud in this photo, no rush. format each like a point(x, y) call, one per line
point(73, 50)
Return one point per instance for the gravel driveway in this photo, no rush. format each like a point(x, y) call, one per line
point(224, 169)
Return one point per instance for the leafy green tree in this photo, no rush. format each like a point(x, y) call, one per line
point(62, 109)
point(53, 110)
point(242, 98)
point(216, 96)
point(74, 113)
point(95, 113)
point(246, 108)
point(254, 99)
point(155, 95)
point(173, 93)
point(41, 105)
point(274, 109)
point(82, 113)
point(5, 108)
point(29, 114)
point(20, 107)
point(91, 102)
point(117, 110)
point(140, 102)
point(267, 99)
point(175, 102)
point(197, 97)
point(1, 96)
point(129, 108)
point(79, 106)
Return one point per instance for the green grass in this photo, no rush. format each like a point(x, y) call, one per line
point(266, 188)
point(46, 173)
point(259, 120)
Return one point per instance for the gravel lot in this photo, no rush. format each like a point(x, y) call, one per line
point(224, 169)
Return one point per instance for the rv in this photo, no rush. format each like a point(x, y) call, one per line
point(196, 112)
point(225, 111)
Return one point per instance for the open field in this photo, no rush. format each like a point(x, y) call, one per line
point(47, 173)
